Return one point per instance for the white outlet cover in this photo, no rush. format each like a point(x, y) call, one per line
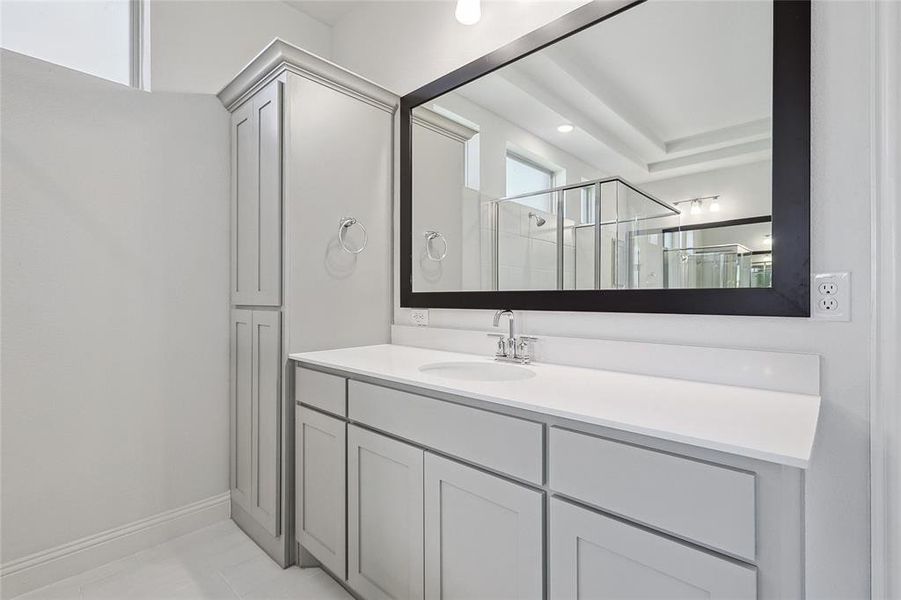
point(419, 316)
point(830, 296)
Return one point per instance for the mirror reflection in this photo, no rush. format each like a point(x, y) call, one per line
point(633, 154)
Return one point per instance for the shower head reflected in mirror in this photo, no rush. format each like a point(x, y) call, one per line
point(538, 220)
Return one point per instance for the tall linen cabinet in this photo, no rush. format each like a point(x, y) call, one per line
point(311, 143)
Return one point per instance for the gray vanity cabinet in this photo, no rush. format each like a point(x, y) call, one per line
point(384, 514)
point(593, 556)
point(256, 414)
point(483, 534)
point(256, 199)
point(320, 441)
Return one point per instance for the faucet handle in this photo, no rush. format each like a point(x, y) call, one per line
point(524, 348)
point(501, 351)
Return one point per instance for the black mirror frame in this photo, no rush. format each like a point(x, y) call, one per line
point(789, 295)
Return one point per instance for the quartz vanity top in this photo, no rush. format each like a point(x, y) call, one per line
point(768, 425)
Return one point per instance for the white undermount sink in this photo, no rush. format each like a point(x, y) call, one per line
point(477, 371)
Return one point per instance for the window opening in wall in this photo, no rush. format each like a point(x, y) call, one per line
point(524, 176)
point(99, 37)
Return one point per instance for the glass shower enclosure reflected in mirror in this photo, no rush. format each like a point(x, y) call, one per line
point(590, 235)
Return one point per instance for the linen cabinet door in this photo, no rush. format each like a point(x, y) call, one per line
point(241, 407)
point(593, 556)
point(266, 429)
point(245, 205)
point(320, 443)
point(267, 109)
point(384, 502)
point(256, 199)
point(483, 535)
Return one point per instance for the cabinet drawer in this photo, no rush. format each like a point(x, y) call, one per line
point(705, 503)
point(321, 390)
point(506, 444)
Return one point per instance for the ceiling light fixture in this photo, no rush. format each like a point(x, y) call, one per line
point(565, 128)
point(696, 206)
point(768, 239)
point(468, 11)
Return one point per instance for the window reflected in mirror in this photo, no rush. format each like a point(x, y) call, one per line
point(635, 154)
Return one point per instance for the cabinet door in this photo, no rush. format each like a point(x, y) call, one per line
point(266, 395)
point(268, 114)
point(483, 535)
point(256, 199)
point(384, 502)
point(597, 557)
point(320, 443)
point(244, 204)
point(241, 407)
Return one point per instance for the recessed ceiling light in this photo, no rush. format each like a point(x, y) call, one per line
point(565, 128)
point(468, 11)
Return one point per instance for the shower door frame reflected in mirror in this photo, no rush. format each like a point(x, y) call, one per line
point(789, 295)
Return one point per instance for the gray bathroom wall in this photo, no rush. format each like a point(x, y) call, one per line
point(114, 303)
point(198, 46)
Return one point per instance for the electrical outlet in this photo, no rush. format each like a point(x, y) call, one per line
point(419, 316)
point(831, 296)
point(828, 304)
point(827, 288)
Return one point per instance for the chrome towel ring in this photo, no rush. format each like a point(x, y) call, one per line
point(343, 225)
point(429, 237)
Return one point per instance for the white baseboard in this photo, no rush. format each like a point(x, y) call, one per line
point(54, 564)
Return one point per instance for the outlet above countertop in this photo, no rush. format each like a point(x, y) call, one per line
point(767, 425)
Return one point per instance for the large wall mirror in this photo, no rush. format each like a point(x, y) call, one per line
point(632, 157)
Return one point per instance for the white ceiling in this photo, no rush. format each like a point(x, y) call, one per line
point(663, 89)
point(328, 12)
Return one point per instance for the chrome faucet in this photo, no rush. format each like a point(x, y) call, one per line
point(512, 348)
point(510, 316)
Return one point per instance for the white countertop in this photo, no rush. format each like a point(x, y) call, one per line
point(773, 426)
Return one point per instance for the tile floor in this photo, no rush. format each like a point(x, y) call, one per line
point(218, 562)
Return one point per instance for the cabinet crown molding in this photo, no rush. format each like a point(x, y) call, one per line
point(440, 124)
point(281, 56)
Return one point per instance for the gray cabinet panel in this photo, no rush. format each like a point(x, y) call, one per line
point(325, 392)
point(505, 444)
point(256, 199)
point(709, 504)
point(600, 558)
point(339, 163)
point(266, 449)
point(483, 535)
point(268, 110)
point(241, 406)
point(256, 415)
point(385, 505)
point(244, 204)
point(320, 443)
